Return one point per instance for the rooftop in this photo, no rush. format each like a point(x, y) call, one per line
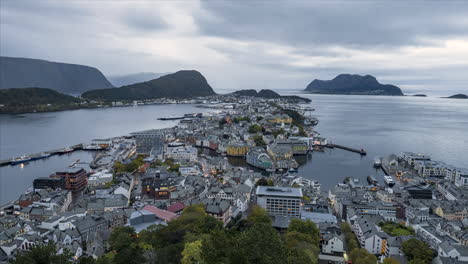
point(279, 191)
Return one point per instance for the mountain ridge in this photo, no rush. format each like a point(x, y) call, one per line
point(67, 78)
point(181, 84)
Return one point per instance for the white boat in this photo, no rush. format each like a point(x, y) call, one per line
point(21, 159)
point(377, 161)
point(389, 180)
point(92, 147)
point(66, 150)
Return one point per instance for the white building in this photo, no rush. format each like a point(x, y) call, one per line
point(280, 201)
point(332, 243)
point(181, 153)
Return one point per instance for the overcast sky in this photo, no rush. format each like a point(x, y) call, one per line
point(421, 46)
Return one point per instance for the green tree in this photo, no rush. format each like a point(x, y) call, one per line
point(192, 253)
point(255, 128)
point(270, 182)
point(417, 251)
point(258, 215)
point(124, 242)
point(261, 244)
point(308, 228)
point(300, 248)
point(213, 253)
point(390, 261)
point(361, 256)
point(42, 254)
point(259, 141)
point(86, 260)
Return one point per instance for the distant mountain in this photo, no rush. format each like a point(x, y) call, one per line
point(265, 93)
point(182, 84)
point(121, 80)
point(353, 84)
point(458, 96)
point(62, 77)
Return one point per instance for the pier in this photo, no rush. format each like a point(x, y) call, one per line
point(38, 156)
point(360, 151)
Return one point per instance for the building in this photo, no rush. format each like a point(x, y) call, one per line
point(333, 243)
point(76, 179)
point(369, 235)
point(238, 149)
point(280, 201)
point(461, 177)
point(411, 158)
point(149, 142)
point(278, 119)
point(45, 183)
point(181, 153)
point(298, 147)
point(259, 158)
point(428, 168)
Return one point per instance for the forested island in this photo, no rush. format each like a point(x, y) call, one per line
point(352, 85)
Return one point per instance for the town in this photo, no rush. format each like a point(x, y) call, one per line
point(238, 164)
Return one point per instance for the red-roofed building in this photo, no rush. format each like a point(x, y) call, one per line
point(164, 215)
point(176, 208)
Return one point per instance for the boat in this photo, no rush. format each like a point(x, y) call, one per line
point(65, 150)
point(293, 170)
point(41, 156)
point(21, 159)
point(371, 180)
point(389, 180)
point(92, 147)
point(377, 162)
point(171, 118)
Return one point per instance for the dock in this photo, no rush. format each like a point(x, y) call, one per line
point(360, 151)
point(51, 153)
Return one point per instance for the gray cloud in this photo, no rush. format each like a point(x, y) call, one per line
point(418, 45)
point(369, 24)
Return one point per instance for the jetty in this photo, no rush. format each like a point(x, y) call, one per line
point(360, 151)
point(38, 156)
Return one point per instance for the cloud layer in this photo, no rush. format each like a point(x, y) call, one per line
point(421, 46)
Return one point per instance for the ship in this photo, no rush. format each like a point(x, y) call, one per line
point(389, 180)
point(371, 180)
point(21, 159)
point(171, 118)
point(377, 162)
point(41, 156)
point(65, 150)
point(92, 147)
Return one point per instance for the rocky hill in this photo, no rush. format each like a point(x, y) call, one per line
point(182, 84)
point(62, 77)
point(353, 84)
point(265, 93)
